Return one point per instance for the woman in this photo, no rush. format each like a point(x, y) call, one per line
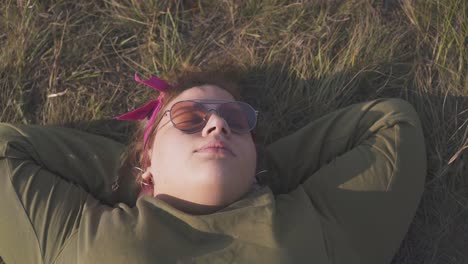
point(342, 189)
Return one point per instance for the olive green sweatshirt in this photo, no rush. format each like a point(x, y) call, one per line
point(342, 189)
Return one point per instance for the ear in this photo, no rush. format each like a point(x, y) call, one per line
point(147, 187)
point(147, 176)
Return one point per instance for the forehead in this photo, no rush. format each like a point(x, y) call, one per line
point(204, 92)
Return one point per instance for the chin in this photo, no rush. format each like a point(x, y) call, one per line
point(213, 174)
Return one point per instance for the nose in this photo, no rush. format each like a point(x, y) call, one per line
point(215, 125)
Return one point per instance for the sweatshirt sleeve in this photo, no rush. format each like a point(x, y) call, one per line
point(47, 175)
point(363, 169)
point(82, 158)
point(362, 127)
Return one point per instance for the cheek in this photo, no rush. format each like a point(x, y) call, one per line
point(249, 151)
point(253, 150)
point(169, 149)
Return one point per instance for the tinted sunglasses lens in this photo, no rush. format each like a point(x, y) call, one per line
point(241, 117)
point(188, 116)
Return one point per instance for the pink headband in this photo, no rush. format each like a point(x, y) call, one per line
point(151, 108)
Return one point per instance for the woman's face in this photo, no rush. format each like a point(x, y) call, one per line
point(201, 181)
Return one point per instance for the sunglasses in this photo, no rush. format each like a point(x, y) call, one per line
point(191, 116)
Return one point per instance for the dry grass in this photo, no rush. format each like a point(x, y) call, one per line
point(301, 59)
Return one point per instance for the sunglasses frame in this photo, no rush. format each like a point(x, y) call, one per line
point(211, 102)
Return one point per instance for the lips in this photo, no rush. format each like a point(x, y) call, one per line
point(215, 145)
